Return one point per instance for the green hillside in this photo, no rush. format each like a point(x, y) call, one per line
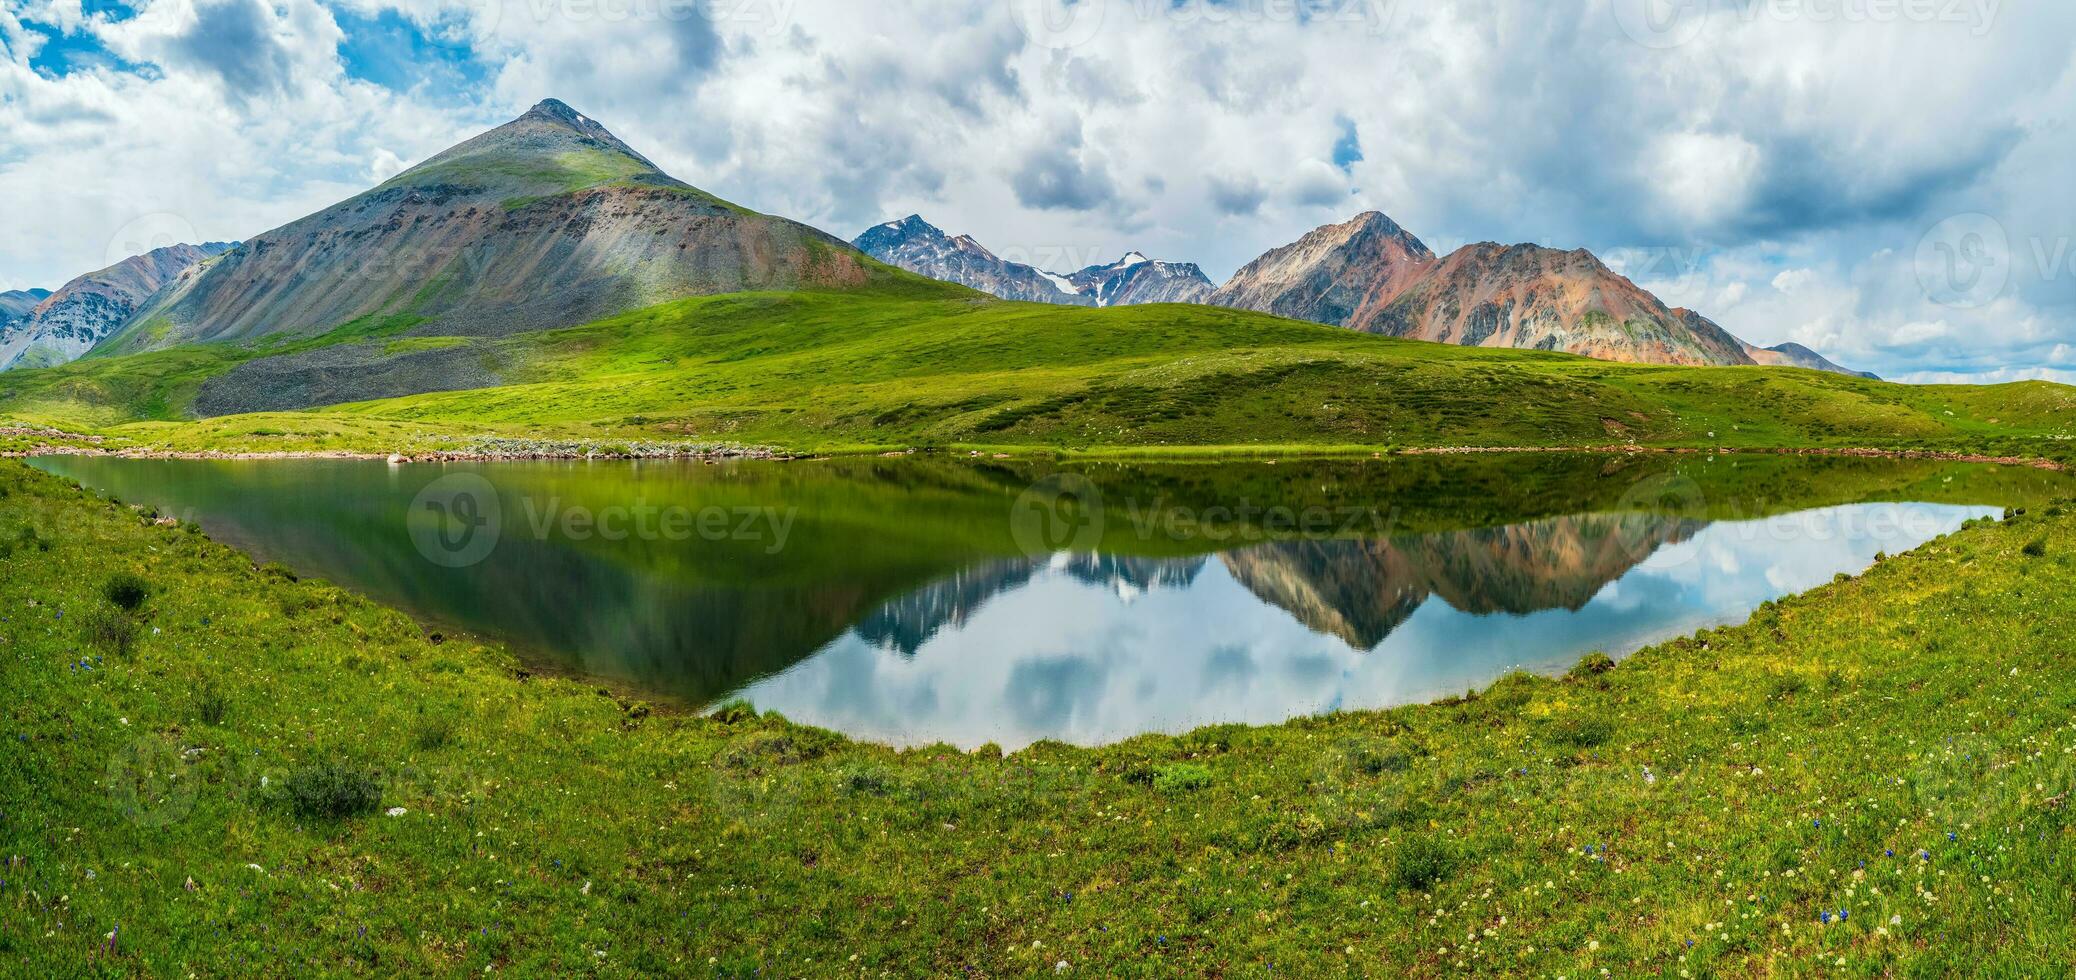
point(905, 366)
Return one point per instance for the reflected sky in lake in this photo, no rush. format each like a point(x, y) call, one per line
point(899, 604)
point(1072, 655)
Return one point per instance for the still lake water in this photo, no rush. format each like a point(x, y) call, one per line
point(916, 600)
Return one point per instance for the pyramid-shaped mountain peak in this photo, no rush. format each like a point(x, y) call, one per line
point(551, 149)
point(556, 109)
point(547, 221)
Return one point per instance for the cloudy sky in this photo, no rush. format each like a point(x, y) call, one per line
point(1883, 180)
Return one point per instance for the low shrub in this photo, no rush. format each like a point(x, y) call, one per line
point(782, 747)
point(1181, 777)
point(1375, 762)
point(433, 732)
point(1592, 665)
point(1787, 686)
point(2036, 548)
point(332, 791)
point(109, 631)
point(1422, 863)
point(867, 782)
point(734, 712)
point(1582, 733)
point(126, 591)
point(211, 705)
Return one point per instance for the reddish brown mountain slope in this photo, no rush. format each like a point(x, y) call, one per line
point(1527, 296)
point(1337, 274)
point(1370, 274)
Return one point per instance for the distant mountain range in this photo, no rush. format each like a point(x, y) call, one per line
point(16, 303)
point(1796, 355)
point(1372, 275)
point(922, 248)
point(60, 327)
point(1358, 590)
point(551, 221)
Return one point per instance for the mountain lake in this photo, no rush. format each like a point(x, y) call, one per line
point(920, 600)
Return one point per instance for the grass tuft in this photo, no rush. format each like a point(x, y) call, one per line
point(332, 791)
point(126, 591)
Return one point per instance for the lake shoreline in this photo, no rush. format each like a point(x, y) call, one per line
point(1928, 455)
point(53, 442)
point(1271, 455)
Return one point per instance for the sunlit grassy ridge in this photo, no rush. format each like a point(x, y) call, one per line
point(1871, 778)
point(901, 368)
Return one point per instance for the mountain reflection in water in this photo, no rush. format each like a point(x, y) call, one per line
point(1090, 649)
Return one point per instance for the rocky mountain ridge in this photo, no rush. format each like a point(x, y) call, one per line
point(65, 325)
point(1136, 280)
point(1337, 274)
point(1531, 297)
point(1796, 355)
point(547, 221)
point(16, 303)
point(922, 248)
point(1371, 274)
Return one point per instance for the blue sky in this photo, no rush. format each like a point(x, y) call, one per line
point(1880, 181)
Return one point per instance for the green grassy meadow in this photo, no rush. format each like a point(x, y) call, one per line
point(1870, 780)
point(907, 366)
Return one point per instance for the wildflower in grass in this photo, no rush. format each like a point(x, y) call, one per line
point(1824, 917)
